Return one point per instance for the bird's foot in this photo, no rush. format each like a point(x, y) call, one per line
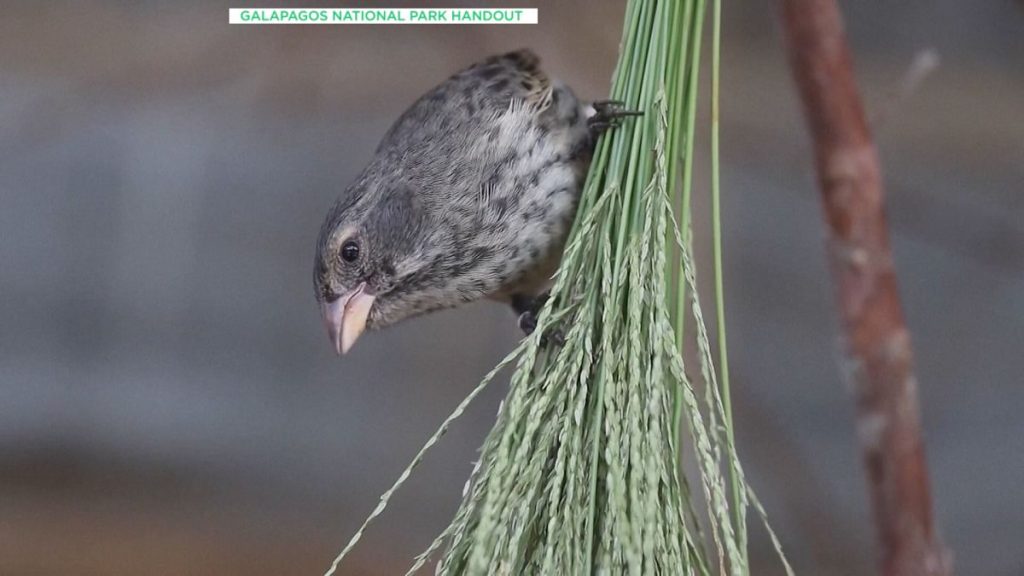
point(529, 312)
point(608, 114)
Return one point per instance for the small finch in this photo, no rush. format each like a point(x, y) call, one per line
point(470, 195)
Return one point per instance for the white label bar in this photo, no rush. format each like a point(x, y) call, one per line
point(382, 16)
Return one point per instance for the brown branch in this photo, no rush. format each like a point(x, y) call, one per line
point(877, 343)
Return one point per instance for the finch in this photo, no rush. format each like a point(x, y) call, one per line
point(470, 195)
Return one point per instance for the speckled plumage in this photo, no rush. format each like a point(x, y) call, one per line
point(470, 194)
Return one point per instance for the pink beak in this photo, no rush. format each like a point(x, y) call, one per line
point(345, 318)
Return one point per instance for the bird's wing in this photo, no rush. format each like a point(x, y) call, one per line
point(468, 100)
point(513, 76)
point(459, 141)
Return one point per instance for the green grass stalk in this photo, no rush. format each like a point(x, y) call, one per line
point(582, 472)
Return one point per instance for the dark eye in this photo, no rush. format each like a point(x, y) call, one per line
point(350, 251)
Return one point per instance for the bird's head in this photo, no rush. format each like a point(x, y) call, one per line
point(367, 246)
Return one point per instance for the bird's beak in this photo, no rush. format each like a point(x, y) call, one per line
point(345, 318)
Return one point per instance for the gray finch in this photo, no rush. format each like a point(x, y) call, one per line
point(470, 194)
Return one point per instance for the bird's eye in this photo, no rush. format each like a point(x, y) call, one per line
point(350, 251)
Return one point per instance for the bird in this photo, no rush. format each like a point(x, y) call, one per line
point(470, 194)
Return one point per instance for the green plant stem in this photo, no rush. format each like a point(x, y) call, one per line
point(638, 21)
point(737, 501)
point(695, 24)
point(582, 473)
point(679, 52)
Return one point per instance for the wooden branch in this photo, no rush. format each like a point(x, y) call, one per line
point(877, 343)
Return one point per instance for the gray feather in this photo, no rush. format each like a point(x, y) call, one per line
point(471, 192)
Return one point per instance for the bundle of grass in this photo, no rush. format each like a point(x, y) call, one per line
point(582, 471)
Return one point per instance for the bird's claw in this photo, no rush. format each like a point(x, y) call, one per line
point(609, 114)
point(528, 322)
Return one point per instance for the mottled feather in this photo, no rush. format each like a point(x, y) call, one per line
point(470, 193)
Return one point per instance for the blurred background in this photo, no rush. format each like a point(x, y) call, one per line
point(169, 403)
